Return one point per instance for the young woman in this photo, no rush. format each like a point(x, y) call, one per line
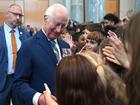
point(77, 83)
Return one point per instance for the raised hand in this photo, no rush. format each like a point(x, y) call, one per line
point(116, 52)
point(68, 38)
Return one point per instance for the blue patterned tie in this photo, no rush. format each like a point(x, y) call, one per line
point(55, 49)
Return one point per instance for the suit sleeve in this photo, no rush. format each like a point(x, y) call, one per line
point(22, 75)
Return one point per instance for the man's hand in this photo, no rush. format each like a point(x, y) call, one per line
point(41, 100)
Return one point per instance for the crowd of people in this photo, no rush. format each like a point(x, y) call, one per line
point(69, 63)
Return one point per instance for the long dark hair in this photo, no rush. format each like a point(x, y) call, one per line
point(77, 83)
point(132, 44)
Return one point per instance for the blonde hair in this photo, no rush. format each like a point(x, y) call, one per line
point(94, 59)
point(108, 77)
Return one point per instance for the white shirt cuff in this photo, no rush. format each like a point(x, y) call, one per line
point(35, 98)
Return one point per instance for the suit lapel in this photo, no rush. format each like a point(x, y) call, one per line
point(20, 34)
point(3, 39)
point(45, 44)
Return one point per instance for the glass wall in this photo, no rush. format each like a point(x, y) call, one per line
point(137, 6)
point(94, 9)
point(75, 9)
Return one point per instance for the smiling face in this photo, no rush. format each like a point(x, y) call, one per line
point(55, 25)
point(14, 16)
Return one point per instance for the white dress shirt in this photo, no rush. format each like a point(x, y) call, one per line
point(7, 32)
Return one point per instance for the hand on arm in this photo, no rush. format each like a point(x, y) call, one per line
point(50, 99)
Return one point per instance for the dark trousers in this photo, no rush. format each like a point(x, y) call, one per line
point(6, 94)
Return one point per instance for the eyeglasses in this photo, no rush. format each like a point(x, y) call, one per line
point(16, 14)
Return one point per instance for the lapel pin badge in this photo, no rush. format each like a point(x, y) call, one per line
point(20, 33)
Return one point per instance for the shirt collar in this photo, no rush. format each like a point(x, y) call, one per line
point(47, 36)
point(9, 28)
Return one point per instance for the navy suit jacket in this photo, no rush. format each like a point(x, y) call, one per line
point(36, 65)
point(3, 54)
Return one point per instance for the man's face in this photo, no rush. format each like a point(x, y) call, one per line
point(55, 25)
point(14, 16)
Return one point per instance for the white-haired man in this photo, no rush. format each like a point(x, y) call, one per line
point(37, 58)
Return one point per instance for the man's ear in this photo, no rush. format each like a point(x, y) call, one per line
point(6, 14)
point(45, 18)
